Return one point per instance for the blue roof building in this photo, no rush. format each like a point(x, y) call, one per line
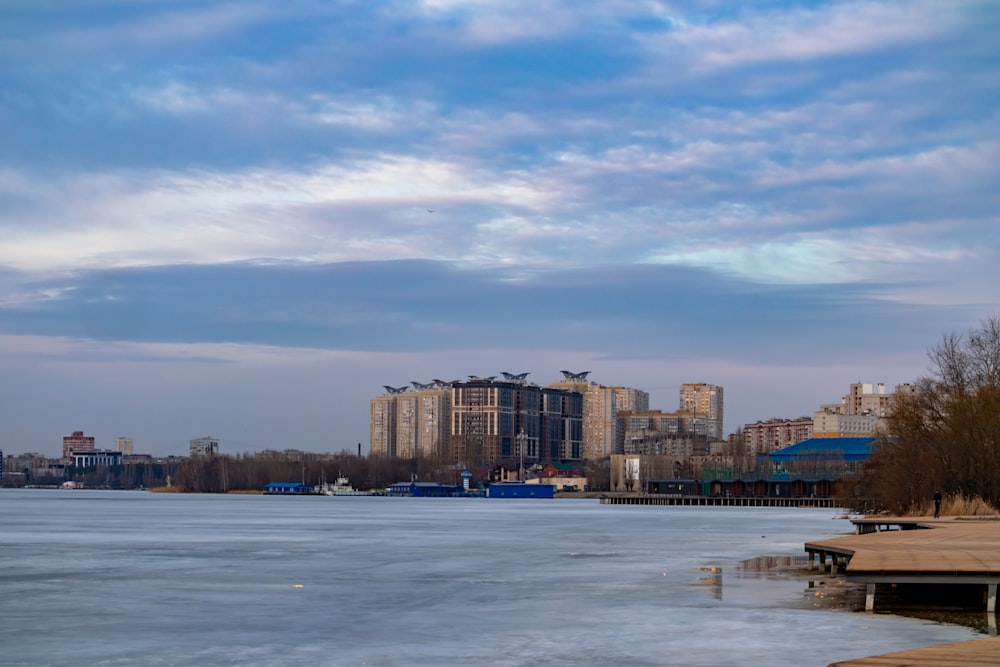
point(425, 490)
point(853, 450)
point(287, 489)
point(520, 490)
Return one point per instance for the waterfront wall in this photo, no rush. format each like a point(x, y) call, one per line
point(710, 501)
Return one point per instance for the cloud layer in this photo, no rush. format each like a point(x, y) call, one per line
point(787, 185)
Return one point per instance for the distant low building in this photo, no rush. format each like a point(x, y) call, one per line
point(519, 490)
point(425, 490)
point(287, 489)
point(96, 458)
point(767, 436)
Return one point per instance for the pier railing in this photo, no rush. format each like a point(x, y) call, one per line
point(722, 501)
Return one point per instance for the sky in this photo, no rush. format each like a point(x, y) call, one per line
point(242, 219)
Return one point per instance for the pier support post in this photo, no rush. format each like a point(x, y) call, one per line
point(812, 560)
point(870, 598)
point(991, 598)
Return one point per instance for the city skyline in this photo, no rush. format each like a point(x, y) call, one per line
point(124, 442)
point(244, 220)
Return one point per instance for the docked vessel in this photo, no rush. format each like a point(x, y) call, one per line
point(342, 487)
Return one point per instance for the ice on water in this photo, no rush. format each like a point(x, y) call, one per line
point(123, 578)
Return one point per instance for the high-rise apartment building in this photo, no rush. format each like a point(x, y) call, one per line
point(203, 447)
point(602, 434)
point(704, 400)
point(488, 418)
point(408, 424)
point(861, 413)
point(77, 443)
point(678, 433)
point(125, 445)
point(482, 421)
point(382, 425)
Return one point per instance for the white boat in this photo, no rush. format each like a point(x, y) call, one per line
point(342, 487)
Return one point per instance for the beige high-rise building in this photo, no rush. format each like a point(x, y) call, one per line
point(382, 425)
point(422, 422)
point(125, 445)
point(602, 432)
point(704, 400)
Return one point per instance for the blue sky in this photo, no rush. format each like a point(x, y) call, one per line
point(241, 219)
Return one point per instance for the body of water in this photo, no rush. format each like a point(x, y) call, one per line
point(133, 578)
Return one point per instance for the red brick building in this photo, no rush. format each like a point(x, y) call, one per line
point(78, 443)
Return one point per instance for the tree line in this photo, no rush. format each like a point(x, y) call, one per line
point(252, 471)
point(945, 436)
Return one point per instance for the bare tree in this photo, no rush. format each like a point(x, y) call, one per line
point(946, 435)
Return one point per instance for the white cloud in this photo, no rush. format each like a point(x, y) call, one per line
point(140, 218)
point(490, 23)
point(159, 28)
point(840, 29)
point(180, 98)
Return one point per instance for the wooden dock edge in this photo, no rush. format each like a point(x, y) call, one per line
point(983, 652)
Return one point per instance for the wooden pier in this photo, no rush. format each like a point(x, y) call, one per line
point(974, 653)
point(926, 552)
point(942, 553)
point(719, 501)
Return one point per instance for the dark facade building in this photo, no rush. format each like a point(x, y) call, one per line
point(513, 421)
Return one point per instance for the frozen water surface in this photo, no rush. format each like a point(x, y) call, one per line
point(131, 578)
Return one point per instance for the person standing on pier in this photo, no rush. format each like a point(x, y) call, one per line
point(937, 504)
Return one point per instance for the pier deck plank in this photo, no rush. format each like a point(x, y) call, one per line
point(973, 653)
point(948, 546)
